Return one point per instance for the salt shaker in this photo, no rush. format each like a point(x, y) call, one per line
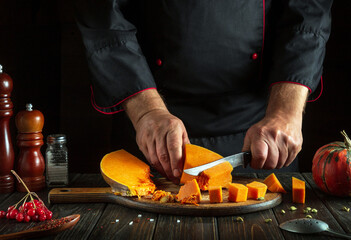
point(56, 161)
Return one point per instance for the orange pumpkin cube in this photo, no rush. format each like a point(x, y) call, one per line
point(298, 190)
point(256, 190)
point(189, 193)
point(273, 184)
point(219, 175)
point(215, 193)
point(237, 192)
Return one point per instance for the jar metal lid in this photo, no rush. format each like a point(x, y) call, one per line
point(56, 138)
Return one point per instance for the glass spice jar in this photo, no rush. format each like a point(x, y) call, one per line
point(56, 161)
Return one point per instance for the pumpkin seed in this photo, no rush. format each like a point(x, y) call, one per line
point(305, 211)
point(292, 208)
point(314, 210)
point(239, 219)
point(346, 209)
point(260, 198)
point(308, 209)
point(308, 216)
point(282, 211)
point(268, 220)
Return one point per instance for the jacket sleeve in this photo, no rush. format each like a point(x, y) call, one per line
point(302, 30)
point(118, 68)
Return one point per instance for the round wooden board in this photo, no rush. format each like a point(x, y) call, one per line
point(205, 208)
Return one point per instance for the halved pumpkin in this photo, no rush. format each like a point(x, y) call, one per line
point(126, 174)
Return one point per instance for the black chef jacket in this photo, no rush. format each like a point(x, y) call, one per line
point(213, 61)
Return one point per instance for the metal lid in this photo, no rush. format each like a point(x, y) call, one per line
point(56, 138)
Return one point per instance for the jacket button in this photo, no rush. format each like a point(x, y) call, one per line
point(158, 62)
point(254, 56)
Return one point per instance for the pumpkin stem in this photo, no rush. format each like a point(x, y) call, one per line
point(346, 140)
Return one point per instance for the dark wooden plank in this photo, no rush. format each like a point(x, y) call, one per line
point(185, 227)
point(253, 227)
point(334, 204)
point(119, 222)
point(311, 201)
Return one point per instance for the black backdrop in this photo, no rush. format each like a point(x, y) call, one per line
point(40, 47)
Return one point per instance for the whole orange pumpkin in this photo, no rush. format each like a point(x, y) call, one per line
point(331, 167)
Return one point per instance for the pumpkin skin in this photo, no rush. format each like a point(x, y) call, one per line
point(331, 167)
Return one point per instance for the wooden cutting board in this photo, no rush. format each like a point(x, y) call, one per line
point(205, 208)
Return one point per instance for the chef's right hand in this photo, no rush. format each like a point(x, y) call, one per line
point(159, 134)
point(161, 137)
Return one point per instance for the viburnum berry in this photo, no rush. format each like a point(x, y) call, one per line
point(13, 213)
point(19, 217)
point(42, 217)
point(31, 212)
point(28, 205)
point(35, 218)
point(26, 218)
point(48, 215)
point(39, 211)
point(2, 214)
point(10, 208)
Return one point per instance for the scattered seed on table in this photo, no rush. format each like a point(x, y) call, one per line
point(239, 219)
point(260, 198)
point(139, 215)
point(117, 220)
point(308, 216)
point(131, 223)
point(178, 221)
point(305, 211)
point(308, 209)
point(282, 211)
point(151, 219)
point(292, 208)
point(346, 209)
point(314, 210)
point(268, 220)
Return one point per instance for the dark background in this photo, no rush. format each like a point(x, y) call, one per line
point(41, 49)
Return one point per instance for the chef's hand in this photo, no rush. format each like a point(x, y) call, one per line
point(160, 135)
point(276, 140)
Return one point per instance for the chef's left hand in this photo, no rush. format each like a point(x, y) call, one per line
point(276, 140)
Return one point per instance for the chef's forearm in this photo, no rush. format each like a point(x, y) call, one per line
point(142, 103)
point(287, 100)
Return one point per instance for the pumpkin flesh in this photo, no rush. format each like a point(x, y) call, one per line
point(215, 193)
point(189, 193)
point(196, 156)
point(219, 175)
point(298, 190)
point(256, 190)
point(237, 192)
point(273, 184)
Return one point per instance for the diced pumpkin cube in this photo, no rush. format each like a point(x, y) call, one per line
point(298, 190)
point(273, 184)
point(196, 156)
point(237, 192)
point(189, 193)
point(219, 175)
point(215, 193)
point(256, 190)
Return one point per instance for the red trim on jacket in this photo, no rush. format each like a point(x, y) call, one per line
point(320, 93)
point(97, 108)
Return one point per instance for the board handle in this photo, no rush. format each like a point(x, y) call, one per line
point(79, 195)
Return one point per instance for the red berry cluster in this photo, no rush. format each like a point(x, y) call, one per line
point(33, 210)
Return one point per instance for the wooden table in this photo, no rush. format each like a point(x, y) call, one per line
point(110, 221)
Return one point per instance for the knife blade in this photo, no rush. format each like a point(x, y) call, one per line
point(243, 158)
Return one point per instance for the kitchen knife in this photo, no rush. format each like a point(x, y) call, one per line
point(243, 158)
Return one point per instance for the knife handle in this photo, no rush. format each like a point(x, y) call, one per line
point(247, 158)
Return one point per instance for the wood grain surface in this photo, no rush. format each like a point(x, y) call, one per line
point(205, 208)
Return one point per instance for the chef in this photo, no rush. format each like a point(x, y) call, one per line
point(229, 75)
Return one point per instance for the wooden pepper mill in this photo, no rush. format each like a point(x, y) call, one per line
point(31, 164)
point(6, 149)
